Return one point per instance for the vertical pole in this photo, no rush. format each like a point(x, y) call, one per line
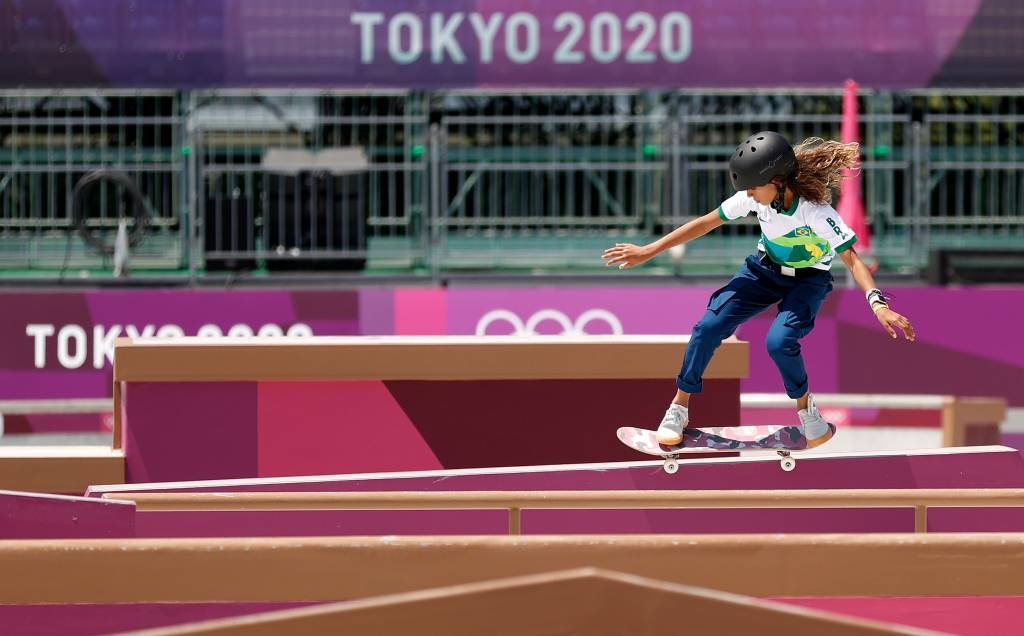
point(117, 444)
point(952, 427)
point(678, 180)
point(191, 184)
point(920, 519)
point(434, 209)
point(118, 395)
point(515, 522)
point(919, 226)
point(851, 204)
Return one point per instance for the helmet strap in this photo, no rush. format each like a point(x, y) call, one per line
point(780, 198)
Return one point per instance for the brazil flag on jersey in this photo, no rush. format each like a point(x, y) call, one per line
point(799, 248)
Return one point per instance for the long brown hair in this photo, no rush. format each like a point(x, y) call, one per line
point(819, 167)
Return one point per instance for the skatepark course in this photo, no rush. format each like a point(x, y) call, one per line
point(914, 540)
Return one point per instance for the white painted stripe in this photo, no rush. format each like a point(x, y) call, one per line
point(15, 452)
point(852, 400)
point(761, 455)
point(84, 405)
point(37, 495)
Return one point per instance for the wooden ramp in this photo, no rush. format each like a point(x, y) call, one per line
point(583, 601)
point(956, 467)
point(980, 467)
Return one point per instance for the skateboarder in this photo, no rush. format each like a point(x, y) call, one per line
point(789, 190)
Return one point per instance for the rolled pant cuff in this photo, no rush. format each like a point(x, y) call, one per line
point(799, 393)
point(688, 388)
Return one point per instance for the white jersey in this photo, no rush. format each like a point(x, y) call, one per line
point(806, 235)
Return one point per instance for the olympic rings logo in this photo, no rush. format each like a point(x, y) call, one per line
point(529, 328)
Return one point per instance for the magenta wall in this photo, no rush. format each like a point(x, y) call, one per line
point(217, 430)
point(848, 351)
point(40, 333)
point(25, 515)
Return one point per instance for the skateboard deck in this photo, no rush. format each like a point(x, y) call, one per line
point(782, 441)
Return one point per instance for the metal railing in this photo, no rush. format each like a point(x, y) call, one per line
point(524, 186)
point(308, 179)
point(52, 406)
point(974, 176)
point(887, 171)
point(424, 182)
point(50, 140)
point(517, 501)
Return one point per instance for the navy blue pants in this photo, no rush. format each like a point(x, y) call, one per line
point(753, 289)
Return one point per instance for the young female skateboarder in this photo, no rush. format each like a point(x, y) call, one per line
point(789, 190)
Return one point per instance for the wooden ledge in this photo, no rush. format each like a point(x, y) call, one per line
point(59, 469)
point(339, 568)
point(416, 358)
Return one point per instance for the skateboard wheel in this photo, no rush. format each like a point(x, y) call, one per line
point(788, 464)
point(671, 466)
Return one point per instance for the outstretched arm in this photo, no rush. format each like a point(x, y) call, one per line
point(627, 255)
point(862, 275)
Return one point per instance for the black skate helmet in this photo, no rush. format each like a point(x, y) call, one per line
point(761, 158)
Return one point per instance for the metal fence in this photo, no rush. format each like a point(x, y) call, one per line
point(976, 188)
point(705, 144)
point(308, 180)
point(401, 181)
point(521, 188)
point(970, 190)
point(51, 140)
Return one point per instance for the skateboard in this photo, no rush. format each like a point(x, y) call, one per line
point(783, 441)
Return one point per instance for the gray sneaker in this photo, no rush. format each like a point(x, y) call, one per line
point(816, 429)
point(670, 431)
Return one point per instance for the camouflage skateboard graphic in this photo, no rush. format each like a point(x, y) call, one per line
point(782, 441)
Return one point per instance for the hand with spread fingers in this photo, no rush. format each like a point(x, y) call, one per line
point(893, 321)
point(627, 255)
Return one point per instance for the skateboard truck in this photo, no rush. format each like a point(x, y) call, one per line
point(787, 461)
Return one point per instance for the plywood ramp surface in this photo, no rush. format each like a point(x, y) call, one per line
point(585, 601)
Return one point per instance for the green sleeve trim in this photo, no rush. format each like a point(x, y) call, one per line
point(847, 245)
point(721, 214)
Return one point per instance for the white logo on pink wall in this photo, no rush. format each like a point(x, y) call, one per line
point(562, 322)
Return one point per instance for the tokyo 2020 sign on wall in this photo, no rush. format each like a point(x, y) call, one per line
point(496, 43)
point(59, 345)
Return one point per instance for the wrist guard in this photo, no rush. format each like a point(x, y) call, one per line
point(876, 299)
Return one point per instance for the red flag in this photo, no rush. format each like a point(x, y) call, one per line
point(851, 204)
